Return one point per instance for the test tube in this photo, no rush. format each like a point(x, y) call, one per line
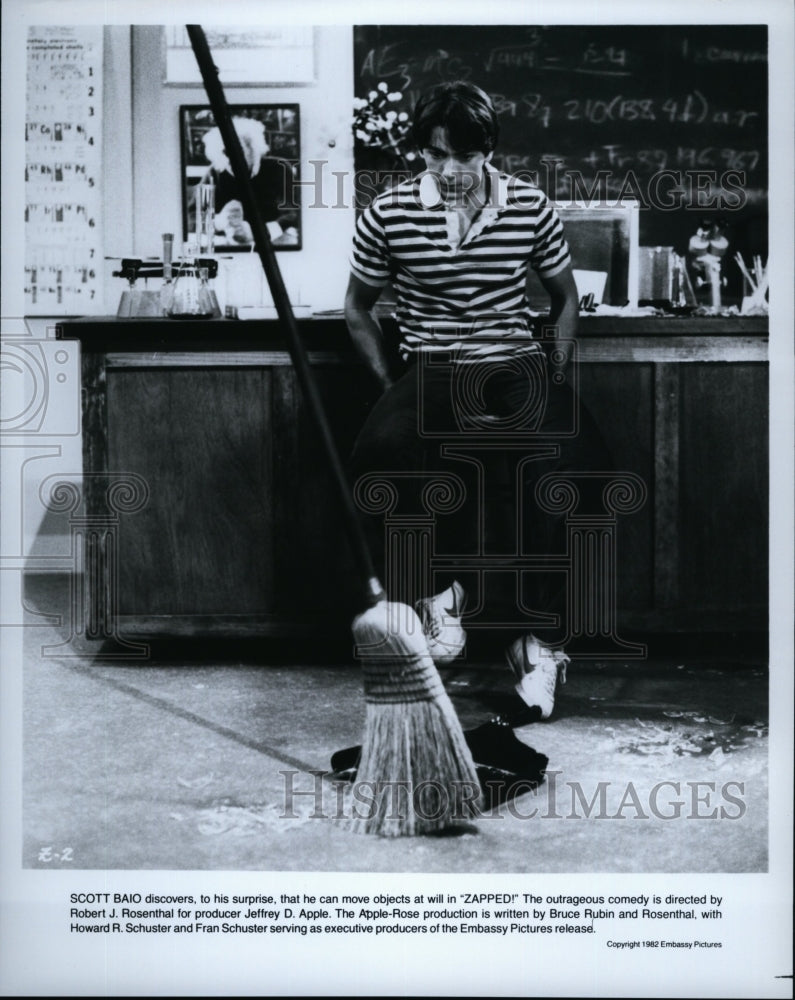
point(168, 250)
point(206, 219)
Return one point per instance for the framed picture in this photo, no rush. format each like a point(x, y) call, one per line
point(270, 137)
point(245, 56)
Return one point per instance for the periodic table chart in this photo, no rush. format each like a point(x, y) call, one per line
point(63, 171)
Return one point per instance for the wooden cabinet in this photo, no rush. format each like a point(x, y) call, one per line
point(208, 508)
point(695, 557)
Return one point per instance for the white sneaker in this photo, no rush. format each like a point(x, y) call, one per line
point(538, 669)
point(441, 623)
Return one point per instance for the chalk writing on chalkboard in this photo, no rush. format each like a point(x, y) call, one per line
point(674, 117)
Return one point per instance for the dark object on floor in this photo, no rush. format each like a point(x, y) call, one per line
point(498, 786)
point(508, 706)
point(495, 744)
point(506, 767)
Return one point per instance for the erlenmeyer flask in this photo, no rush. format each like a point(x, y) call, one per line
point(191, 296)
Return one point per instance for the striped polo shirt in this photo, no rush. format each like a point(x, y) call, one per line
point(465, 297)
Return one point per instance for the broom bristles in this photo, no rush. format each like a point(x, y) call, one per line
point(416, 774)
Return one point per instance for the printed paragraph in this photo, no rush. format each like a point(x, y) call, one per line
point(675, 920)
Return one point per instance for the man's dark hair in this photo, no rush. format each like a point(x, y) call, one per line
point(464, 110)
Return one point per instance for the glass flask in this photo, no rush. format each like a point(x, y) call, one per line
point(191, 296)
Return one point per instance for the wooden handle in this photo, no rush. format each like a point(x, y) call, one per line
point(241, 171)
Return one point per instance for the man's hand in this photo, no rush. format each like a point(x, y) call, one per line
point(365, 330)
point(564, 308)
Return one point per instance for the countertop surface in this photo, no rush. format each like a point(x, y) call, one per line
point(600, 338)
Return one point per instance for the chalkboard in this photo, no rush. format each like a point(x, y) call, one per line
point(674, 116)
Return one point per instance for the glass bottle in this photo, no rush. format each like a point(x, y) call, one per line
point(191, 296)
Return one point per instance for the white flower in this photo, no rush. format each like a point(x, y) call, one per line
point(376, 128)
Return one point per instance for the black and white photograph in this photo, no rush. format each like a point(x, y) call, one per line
point(212, 208)
point(397, 478)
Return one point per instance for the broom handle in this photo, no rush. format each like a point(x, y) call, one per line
point(262, 241)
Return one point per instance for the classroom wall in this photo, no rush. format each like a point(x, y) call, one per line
point(142, 199)
point(316, 275)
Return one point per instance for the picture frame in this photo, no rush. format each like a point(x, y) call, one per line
point(270, 135)
point(245, 56)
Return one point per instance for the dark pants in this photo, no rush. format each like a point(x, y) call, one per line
point(485, 434)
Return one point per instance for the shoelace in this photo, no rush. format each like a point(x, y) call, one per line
point(561, 662)
point(433, 619)
point(558, 658)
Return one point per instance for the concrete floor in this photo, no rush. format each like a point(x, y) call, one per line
point(177, 763)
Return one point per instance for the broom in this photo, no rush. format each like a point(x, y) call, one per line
point(416, 773)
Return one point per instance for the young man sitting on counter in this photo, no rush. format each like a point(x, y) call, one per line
point(456, 243)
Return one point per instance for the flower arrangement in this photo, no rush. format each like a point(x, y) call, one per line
point(377, 124)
